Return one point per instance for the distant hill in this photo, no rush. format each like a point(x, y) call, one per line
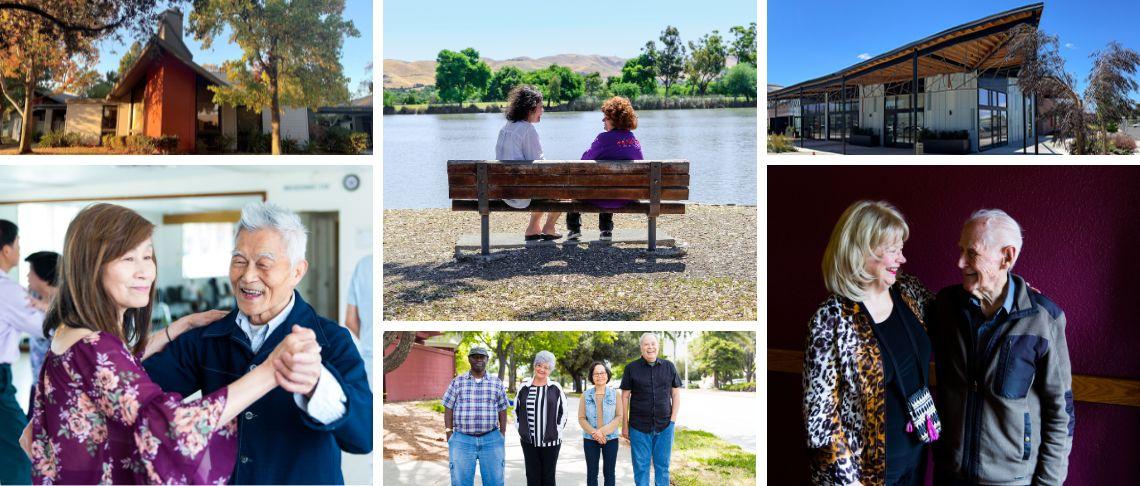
point(408, 74)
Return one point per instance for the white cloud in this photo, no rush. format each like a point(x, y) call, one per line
point(864, 56)
point(1069, 45)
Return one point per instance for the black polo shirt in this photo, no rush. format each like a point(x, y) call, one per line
point(651, 393)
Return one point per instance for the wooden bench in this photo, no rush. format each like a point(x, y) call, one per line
point(657, 187)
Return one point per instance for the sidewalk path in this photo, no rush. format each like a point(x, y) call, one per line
point(731, 416)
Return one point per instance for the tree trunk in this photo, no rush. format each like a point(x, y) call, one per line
point(1103, 134)
point(274, 117)
point(26, 130)
point(513, 375)
point(400, 354)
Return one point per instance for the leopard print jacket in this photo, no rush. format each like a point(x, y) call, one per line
point(843, 390)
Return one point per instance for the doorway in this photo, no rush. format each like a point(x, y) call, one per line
point(320, 286)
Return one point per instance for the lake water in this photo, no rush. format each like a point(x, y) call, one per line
point(720, 144)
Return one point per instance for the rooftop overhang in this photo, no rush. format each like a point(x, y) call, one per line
point(156, 48)
point(979, 45)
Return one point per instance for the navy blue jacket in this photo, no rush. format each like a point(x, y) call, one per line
point(278, 443)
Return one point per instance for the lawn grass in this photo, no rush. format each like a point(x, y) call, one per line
point(700, 457)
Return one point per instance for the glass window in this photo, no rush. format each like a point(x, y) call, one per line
point(110, 119)
point(206, 249)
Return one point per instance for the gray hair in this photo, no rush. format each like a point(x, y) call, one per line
point(1000, 230)
point(544, 357)
point(648, 335)
point(262, 215)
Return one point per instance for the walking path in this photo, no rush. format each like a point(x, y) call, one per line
point(731, 416)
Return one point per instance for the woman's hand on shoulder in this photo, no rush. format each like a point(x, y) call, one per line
point(199, 319)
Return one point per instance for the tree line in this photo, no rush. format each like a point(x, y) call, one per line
point(672, 68)
point(722, 355)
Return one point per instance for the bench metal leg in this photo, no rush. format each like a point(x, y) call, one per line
point(652, 233)
point(485, 237)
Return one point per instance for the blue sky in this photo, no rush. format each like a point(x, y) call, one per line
point(356, 52)
point(811, 39)
point(504, 29)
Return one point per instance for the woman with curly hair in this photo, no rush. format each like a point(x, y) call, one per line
point(518, 140)
point(615, 143)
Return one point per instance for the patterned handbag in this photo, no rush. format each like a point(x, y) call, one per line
point(923, 416)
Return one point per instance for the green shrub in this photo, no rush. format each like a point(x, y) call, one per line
point(334, 140)
point(290, 146)
point(779, 144)
point(64, 140)
point(741, 387)
point(255, 142)
point(1122, 144)
point(628, 90)
point(1111, 127)
point(361, 141)
point(862, 131)
point(139, 144)
point(166, 144)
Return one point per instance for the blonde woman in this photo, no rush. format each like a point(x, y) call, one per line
point(867, 354)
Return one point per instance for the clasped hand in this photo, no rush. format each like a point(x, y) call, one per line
point(296, 361)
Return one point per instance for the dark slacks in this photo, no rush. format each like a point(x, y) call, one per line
point(605, 221)
point(15, 468)
point(540, 463)
point(608, 454)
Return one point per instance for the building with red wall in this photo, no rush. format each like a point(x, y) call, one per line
point(425, 373)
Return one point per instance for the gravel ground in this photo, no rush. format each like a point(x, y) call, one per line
point(715, 280)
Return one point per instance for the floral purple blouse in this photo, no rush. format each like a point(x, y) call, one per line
point(97, 418)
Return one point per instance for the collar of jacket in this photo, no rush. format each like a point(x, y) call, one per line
point(302, 314)
point(1023, 303)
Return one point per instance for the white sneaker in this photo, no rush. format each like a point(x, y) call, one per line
point(606, 236)
point(573, 235)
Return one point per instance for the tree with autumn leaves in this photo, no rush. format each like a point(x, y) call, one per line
point(37, 55)
point(290, 53)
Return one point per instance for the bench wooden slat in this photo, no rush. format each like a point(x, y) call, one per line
point(612, 180)
point(561, 192)
point(567, 167)
point(560, 206)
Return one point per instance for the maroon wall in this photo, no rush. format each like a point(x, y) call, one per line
point(1082, 249)
point(424, 375)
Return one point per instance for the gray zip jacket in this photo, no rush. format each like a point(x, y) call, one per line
point(1006, 402)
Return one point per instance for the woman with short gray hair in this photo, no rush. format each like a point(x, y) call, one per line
point(540, 416)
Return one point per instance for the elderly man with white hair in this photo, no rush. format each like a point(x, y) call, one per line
point(540, 416)
point(1004, 378)
point(295, 433)
point(651, 391)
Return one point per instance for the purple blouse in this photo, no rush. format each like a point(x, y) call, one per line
point(613, 145)
point(98, 418)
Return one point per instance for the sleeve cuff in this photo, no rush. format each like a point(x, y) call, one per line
point(327, 404)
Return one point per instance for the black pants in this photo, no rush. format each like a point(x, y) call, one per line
point(908, 475)
point(605, 221)
point(540, 463)
point(15, 468)
point(608, 454)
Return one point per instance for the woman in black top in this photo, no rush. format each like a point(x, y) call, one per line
point(540, 415)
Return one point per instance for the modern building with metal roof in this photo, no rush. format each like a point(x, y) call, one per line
point(958, 83)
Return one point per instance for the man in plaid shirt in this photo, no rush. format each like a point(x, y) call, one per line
point(475, 420)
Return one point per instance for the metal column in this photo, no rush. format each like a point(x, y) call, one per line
point(914, 100)
point(843, 109)
point(1024, 133)
point(1036, 140)
point(802, 118)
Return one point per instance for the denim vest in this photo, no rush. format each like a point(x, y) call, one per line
point(609, 410)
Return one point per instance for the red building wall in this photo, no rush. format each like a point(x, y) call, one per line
point(1080, 247)
point(423, 376)
point(170, 102)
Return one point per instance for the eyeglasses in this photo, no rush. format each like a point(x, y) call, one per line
point(600, 374)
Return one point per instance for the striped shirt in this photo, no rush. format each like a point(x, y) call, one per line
point(475, 403)
point(540, 414)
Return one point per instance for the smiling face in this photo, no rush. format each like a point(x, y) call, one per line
point(649, 348)
point(478, 363)
point(984, 270)
point(128, 279)
point(883, 265)
point(598, 375)
point(261, 274)
point(542, 371)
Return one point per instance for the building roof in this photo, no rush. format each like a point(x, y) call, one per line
point(975, 45)
point(168, 42)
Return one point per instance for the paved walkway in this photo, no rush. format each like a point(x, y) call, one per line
point(732, 416)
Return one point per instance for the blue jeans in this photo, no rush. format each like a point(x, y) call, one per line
point(609, 460)
point(655, 446)
point(463, 451)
